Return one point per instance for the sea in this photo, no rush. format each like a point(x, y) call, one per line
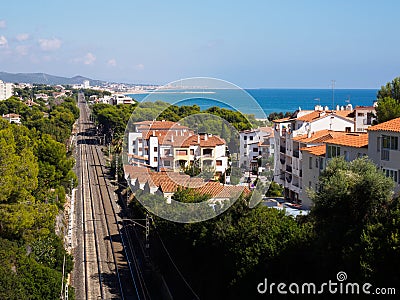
point(262, 102)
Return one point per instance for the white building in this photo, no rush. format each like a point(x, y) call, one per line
point(165, 145)
point(121, 99)
point(255, 143)
point(384, 149)
point(12, 118)
point(86, 84)
point(6, 90)
point(303, 129)
point(364, 116)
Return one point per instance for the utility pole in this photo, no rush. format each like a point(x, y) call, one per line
point(116, 167)
point(333, 93)
point(147, 233)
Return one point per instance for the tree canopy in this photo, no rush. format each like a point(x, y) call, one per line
point(389, 101)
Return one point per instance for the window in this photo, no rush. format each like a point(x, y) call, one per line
point(219, 162)
point(347, 129)
point(251, 138)
point(155, 159)
point(207, 152)
point(255, 149)
point(167, 163)
point(316, 162)
point(155, 149)
point(310, 162)
point(390, 142)
point(360, 114)
point(167, 152)
point(245, 137)
point(191, 151)
point(309, 184)
point(392, 174)
point(245, 146)
point(333, 151)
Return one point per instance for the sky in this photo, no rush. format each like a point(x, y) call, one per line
point(253, 44)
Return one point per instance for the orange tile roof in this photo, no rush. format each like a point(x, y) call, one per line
point(357, 140)
point(315, 150)
point(392, 125)
point(159, 125)
point(311, 116)
point(214, 189)
point(318, 136)
point(133, 170)
point(189, 139)
point(322, 114)
point(281, 120)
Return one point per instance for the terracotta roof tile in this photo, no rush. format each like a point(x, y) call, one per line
point(318, 136)
point(315, 150)
point(281, 120)
point(392, 125)
point(357, 140)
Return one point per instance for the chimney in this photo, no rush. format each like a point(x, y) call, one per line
point(198, 139)
point(206, 137)
point(309, 133)
point(154, 133)
point(172, 138)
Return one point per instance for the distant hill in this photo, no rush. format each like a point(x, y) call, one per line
point(43, 78)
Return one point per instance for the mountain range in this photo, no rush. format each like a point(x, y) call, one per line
point(43, 78)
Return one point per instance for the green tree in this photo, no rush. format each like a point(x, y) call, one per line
point(389, 101)
point(387, 109)
point(351, 197)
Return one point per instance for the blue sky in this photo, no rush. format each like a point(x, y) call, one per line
point(272, 44)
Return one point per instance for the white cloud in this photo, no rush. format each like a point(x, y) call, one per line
point(3, 24)
point(22, 37)
point(112, 62)
point(3, 41)
point(50, 44)
point(139, 67)
point(89, 59)
point(22, 50)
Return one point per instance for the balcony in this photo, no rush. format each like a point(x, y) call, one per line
point(283, 149)
point(289, 168)
point(296, 153)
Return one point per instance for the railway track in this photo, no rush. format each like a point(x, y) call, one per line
point(106, 267)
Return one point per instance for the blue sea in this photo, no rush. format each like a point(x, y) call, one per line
point(261, 102)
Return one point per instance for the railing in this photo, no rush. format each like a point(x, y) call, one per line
point(283, 149)
point(385, 154)
point(296, 153)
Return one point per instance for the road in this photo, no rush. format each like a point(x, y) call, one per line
point(99, 243)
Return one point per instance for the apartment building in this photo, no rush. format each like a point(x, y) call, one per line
point(303, 129)
point(384, 149)
point(349, 145)
point(253, 144)
point(165, 145)
point(6, 90)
